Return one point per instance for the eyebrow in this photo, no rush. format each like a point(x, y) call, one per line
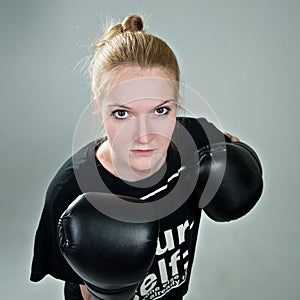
point(126, 107)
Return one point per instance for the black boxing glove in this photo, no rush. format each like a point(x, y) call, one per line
point(111, 256)
point(238, 173)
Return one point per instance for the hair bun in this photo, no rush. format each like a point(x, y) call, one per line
point(133, 23)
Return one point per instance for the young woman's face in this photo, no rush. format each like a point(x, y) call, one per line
point(139, 116)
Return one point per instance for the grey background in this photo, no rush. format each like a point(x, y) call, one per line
point(242, 56)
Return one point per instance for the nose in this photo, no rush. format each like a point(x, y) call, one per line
point(144, 135)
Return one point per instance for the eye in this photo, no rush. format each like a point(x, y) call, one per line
point(162, 111)
point(120, 114)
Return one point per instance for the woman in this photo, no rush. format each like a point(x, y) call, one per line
point(148, 153)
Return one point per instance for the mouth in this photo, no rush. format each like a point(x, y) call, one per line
point(143, 152)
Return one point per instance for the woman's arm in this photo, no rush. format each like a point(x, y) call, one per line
point(84, 292)
point(232, 138)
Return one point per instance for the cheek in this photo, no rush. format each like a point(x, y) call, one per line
point(164, 138)
point(111, 130)
point(167, 130)
point(118, 137)
point(164, 142)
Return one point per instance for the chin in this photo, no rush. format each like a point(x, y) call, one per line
point(141, 169)
point(145, 169)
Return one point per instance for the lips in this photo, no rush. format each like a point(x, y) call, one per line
point(142, 152)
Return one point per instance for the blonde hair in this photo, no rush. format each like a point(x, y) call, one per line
point(128, 44)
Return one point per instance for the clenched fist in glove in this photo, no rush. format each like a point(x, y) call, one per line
point(112, 257)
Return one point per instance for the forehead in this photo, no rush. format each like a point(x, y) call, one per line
point(136, 83)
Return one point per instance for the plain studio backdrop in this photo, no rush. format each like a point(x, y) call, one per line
point(241, 56)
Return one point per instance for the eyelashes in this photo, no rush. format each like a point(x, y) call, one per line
point(122, 114)
point(161, 111)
